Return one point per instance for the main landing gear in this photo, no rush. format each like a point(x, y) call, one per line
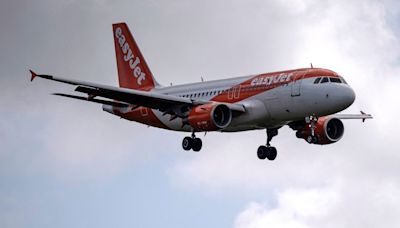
point(268, 151)
point(312, 120)
point(192, 142)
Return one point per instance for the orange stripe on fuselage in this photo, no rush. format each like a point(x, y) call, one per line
point(267, 81)
point(146, 115)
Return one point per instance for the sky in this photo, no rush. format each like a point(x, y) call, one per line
point(66, 163)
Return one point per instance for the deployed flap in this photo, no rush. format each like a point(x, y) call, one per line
point(99, 101)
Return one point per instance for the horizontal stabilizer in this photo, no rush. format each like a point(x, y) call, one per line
point(363, 116)
point(99, 101)
point(33, 75)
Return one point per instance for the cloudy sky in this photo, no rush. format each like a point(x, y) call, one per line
point(65, 163)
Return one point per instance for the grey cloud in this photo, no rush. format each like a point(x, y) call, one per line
point(71, 141)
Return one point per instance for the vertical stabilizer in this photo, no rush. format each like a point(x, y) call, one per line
point(133, 72)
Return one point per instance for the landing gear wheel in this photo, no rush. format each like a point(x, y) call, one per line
point(192, 143)
point(312, 139)
point(262, 152)
point(196, 144)
point(187, 143)
point(312, 120)
point(268, 151)
point(271, 155)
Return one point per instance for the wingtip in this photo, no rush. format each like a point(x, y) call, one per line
point(33, 75)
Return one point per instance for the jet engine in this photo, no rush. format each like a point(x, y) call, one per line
point(327, 130)
point(210, 117)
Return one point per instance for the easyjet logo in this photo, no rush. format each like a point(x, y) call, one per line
point(129, 57)
point(269, 80)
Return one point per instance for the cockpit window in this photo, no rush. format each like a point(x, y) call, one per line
point(335, 80)
point(317, 80)
point(324, 80)
point(344, 81)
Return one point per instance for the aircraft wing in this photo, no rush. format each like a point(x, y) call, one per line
point(149, 99)
point(363, 116)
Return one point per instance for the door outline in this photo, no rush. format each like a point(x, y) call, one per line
point(234, 93)
point(296, 86)
point(230, 93)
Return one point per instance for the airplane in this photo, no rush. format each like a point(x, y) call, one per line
point(307, 100)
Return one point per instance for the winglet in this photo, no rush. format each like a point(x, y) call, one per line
point(365, 114)
point(33, 75)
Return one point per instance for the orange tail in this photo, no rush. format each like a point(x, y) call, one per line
point(133, 72)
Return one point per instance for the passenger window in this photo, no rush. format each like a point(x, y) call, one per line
point(335, 80)
point(317, 80)
point(324, 80)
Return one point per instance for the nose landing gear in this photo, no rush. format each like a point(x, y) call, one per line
point(312, 138)
point(268, 151)
point(192, 143)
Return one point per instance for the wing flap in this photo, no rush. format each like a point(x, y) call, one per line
point(99, 101)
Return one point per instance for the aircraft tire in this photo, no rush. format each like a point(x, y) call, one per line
point(196, 144)
point(187, 143)
point(312, 139)
point(262, 152)
point(271, 153)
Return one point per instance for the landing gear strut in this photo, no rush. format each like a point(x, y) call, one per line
point(268, 151)
point(312, 120)
point(192, 143)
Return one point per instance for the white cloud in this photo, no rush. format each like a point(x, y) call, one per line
point(345, 204)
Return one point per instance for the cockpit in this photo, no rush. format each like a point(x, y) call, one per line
point(321, 80)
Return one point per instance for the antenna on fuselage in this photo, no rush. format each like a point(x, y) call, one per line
point(311, 65)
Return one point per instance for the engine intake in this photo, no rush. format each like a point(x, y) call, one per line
point(210, 117)
point(328, 130)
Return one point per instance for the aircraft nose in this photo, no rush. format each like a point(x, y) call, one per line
point(347, 96)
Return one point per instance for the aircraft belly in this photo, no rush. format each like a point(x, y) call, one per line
point(175, 124)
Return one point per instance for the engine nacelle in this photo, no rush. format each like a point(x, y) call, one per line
point(327, 130)
point(210, 117)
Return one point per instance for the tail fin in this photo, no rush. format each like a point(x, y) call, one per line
point(133, 72)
